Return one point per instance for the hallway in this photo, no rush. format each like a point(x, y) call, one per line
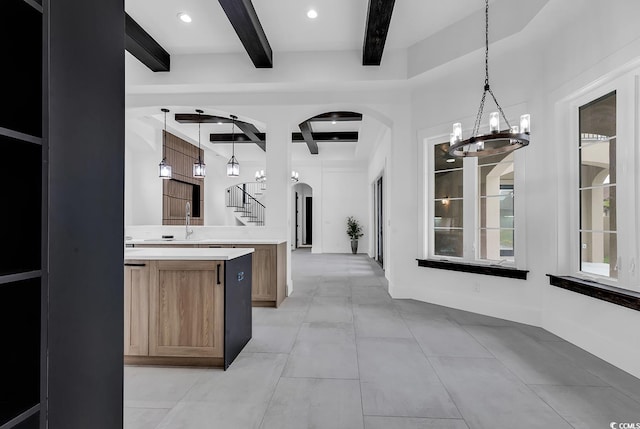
point(340, 353)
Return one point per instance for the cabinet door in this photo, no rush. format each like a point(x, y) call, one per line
point(186, 309)
point(136, 308)
point(264, 286)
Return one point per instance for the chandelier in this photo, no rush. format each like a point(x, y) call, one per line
point(261, 176)
point(496, 141)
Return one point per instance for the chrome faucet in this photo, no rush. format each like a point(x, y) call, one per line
point(187, 221)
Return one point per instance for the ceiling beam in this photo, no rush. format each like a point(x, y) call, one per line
point(378, 20)
point(244, 19)
point(142, 46)
point(250, 130)
point(307, 135)
point(337, 116)
point(334, 136)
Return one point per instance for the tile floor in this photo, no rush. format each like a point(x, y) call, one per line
point(341, 354)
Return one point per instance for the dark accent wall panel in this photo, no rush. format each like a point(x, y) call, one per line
point(32, 422)
point(20, 109)
point(181, 188)
point(86, 212)
point(20, 357)
point(21, 205)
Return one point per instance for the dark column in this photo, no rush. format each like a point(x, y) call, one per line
point(86, 189)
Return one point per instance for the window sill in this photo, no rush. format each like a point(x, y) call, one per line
point(612, 294)
point(488, 270)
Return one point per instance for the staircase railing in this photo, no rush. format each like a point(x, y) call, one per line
point(240, 198)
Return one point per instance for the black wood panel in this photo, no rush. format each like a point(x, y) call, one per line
point(378, 20)
point(237, 306)
point(86, 194)
point(337, 116)
point(330, 136)
point(20, 106)
point(488, 270)
point(614, 295)
point(21, 205)
point(144, 47)
point(20, 357)
point(32, 422)
point(245, 21)
point(307, 135)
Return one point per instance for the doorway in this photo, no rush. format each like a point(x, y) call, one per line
point(308, 220)
point(379, 209)
point(303, 215)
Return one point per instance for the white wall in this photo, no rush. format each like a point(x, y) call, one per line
point(345, 192)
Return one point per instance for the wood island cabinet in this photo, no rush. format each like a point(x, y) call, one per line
point(186, 309)
point(269, 269)
point(136, 308)
point(178, 312)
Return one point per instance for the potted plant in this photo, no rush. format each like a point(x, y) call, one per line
point(354, 231)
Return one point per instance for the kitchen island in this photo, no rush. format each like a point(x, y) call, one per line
point(186, 306)
point(269, 262)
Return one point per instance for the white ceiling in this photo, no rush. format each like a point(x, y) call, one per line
point(340, 24)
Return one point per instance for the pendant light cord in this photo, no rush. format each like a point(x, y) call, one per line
point(487, 87)
point(233, 140)
point(164, 138)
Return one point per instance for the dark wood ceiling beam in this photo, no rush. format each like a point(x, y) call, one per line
point(252, 132)
point(336, 136)
point(338, 117)
point(244, 19)
point(378, 20)
point(142, 46)
point(307, 135)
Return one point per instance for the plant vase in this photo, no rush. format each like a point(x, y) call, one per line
point(354, 246)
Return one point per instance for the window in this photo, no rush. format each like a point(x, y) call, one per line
point(598, 160)
point(496, 209)
point(597, 187)
point(483, 229)
point(448, 203)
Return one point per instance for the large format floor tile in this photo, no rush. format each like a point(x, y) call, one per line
point(307, 403)
point(532, 361)
point(489, 396)
point(397, 380)
point(324, 350)
point(371, 422)
point(341, 353)
point(589, 407)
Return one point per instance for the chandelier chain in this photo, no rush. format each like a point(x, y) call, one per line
point(487, 87)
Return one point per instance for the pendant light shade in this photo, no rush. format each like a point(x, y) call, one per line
point(496, 141)
point(165, 169)
point(233, 166)
point(199, 168)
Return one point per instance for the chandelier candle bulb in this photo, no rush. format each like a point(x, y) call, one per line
point(457, 132)
point(525, 123)
point(494, 122)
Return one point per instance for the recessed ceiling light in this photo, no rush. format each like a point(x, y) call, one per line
point(451, 160)
point(219, 123)
point(312, 14)
point(184, 17)
point(333, 122)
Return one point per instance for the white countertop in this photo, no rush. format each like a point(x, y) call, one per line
point(185, 254)
point(179, 241)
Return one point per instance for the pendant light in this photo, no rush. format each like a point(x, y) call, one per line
point(501, 141)
point(165, 169)
point(233, 166)
point(261, 176)
point(199, 168)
